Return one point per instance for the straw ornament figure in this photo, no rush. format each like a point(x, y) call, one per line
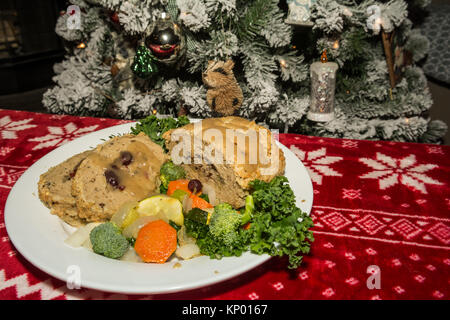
point(224, 95)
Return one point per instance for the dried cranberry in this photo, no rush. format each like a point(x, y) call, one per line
point(126, 157)
point(195, 186)
point(72, 174)
point(112, 178)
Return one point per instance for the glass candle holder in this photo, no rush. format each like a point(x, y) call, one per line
point(323, 85)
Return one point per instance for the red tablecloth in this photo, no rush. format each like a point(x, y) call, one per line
point(379, 207)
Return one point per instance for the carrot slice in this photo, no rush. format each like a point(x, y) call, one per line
point(181, 184)
point(156, 242)
point(200, 203)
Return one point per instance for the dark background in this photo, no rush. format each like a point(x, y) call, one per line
point(29, 47)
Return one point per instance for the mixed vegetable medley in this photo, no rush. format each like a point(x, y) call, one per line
point(185, 220)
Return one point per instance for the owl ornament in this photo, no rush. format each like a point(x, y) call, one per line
point(224, 95)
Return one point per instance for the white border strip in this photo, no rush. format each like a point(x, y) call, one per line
point(381, 240)
point(383, 212)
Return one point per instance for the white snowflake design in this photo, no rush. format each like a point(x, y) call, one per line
point(349, 144)
point(317, 163)
point(351, 194)
point(404, 171)
point(60, 135)
point(434, 149)
point(9, 128)
point(9, 174)
point(5, 150)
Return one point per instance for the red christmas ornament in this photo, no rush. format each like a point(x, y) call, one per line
point(162, 51)
point(114, 16)
point(166, 41)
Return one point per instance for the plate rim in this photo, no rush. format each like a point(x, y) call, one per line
point(33, 258)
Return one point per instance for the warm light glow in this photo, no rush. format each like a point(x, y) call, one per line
point(283, 63)
point(324, 57)
point(336, 44)
point(378, 22)
point(406, 120)
point(294, 47)
point(155, 111)
point(81, 45)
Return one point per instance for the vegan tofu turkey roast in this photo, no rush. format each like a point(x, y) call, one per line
point(93, 185)
point(171, 188)
point(230, 178)
point(96, 183)
point(55, 189)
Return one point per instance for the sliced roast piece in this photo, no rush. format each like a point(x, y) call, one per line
point(125, 168)
point(227, 160)
point(55, 189)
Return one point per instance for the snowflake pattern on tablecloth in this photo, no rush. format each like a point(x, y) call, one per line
point(356, 224)
point(317, 163)
point(351, 194)
point(9, 174)
point(381, 226)
point(60, 135)
point(352, 281)
point(329, 292)
point(9, 128)
point(23, 287)
point(405, 171)
point(434, 149)
point(48, 291)
point(5, 150)
point(351, 144)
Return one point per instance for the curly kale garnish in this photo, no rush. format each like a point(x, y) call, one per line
point(154, 127)
point(277, 226)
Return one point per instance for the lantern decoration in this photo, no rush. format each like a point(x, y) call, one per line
point(323, 84)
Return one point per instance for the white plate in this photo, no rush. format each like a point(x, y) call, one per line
point(39, 236)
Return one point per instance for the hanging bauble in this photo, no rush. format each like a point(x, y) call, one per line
point(166, 41)
point(114, 16)
point(144, 65)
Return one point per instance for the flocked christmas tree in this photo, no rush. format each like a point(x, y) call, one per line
point(118, 64)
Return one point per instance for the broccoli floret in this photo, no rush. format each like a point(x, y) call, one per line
point(170, 172)
point(224, 223)
point(107, 240)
